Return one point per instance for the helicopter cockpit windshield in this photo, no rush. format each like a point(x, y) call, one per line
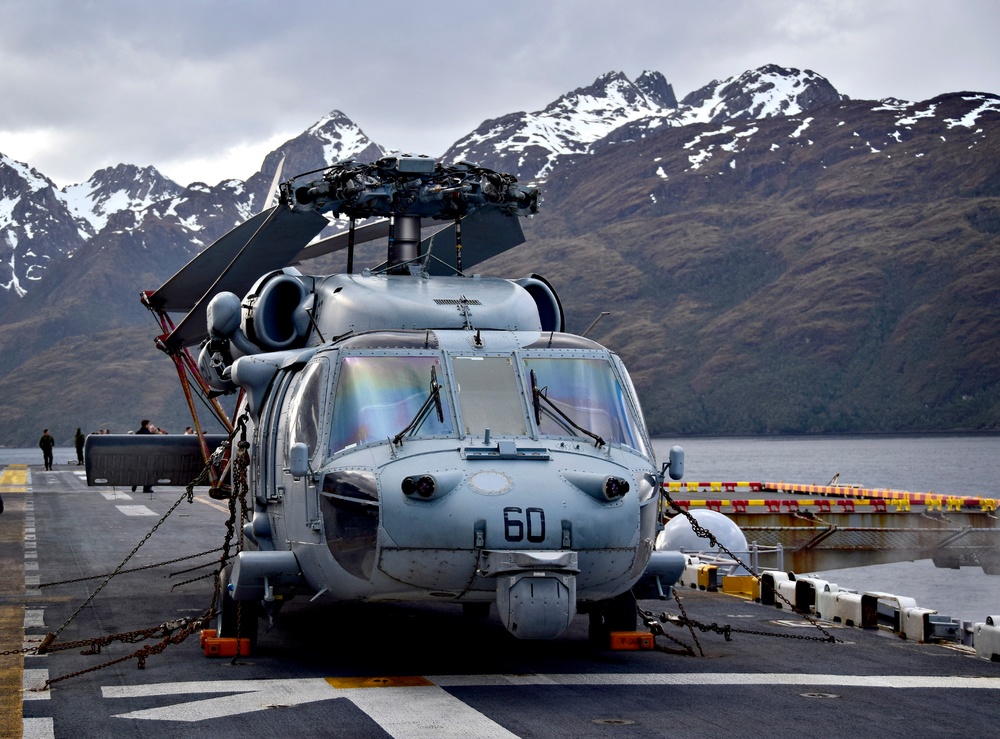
point(378, 395)
point(587, 398)
point(385, 396)
point(488, 395)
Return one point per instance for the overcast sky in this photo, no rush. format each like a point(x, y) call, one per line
point(204, 89)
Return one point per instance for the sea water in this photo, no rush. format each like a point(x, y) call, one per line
point(60, 455)
point(947, 464)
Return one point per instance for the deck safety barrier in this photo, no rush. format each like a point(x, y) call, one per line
point(987, 639)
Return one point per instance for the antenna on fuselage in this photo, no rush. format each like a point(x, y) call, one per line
point(603, 313)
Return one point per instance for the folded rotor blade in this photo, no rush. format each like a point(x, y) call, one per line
point(368, 232)
point(272, 246)
point(274, 183)
point(484, 234)
point(183, 291)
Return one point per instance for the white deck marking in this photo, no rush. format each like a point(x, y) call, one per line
point(32, 679)
point(430, 711)
point(115, 495)
point(423, 711)
point(135, 510)
point(34, 618)
point(724, 678)
point(38, 728)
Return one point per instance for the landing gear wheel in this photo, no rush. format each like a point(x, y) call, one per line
point(616, 614)
point(235, 617)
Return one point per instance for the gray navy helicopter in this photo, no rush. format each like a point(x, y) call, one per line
point(415, 432)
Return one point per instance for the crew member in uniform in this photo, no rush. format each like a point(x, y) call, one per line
point(46, 443)
point(144, 429)
point(78, 440)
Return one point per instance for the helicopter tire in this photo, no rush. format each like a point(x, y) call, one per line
point(615, 614)
point(234, 615)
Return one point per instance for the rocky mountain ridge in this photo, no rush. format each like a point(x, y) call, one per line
point(527, 145)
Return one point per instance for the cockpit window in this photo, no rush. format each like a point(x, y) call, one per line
point(589, 393)
point(305, 408)
point(488, 396)
point(379, 395)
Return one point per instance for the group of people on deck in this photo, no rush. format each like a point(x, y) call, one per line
point(47, 442)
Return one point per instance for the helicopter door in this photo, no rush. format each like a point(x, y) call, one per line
point(268, 466)
point(299, 422)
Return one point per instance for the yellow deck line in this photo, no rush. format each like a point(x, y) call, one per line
point(13, 484)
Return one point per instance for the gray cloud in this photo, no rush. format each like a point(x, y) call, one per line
point(203, 89)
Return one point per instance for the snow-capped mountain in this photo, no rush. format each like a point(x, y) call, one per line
point(115, 189)
point(614, 109)
point(36, 227)
point(40, 223)
point(333, 138)
point(766, 92)
point(528, 144)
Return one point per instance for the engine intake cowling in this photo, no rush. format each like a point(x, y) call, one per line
point(276, 311)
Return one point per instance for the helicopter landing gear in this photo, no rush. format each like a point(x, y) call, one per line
point(615, 614)
point(235, 618)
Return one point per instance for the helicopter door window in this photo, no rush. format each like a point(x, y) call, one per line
point(305, 408)
point(586, 391)
point(488, 396)
point(377, 395)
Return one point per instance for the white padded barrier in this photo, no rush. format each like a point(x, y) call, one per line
point(915, 623)
point(807, 592)
point(987, 638)
point(689, 578)
point(785, 589)
point(885, 608)
point(769, 580)
point(845, 608)
point(826, 599)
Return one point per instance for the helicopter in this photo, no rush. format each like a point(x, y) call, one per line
point(415, 432)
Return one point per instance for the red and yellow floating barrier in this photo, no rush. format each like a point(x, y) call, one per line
point(848, 497)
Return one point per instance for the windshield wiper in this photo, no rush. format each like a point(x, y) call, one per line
point(538, 395)
point(434, 396)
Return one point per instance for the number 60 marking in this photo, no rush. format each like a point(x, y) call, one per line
point(514, 524)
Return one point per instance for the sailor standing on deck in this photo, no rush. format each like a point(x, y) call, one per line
point(78, 439)
point(45, 444)
point(144, 429)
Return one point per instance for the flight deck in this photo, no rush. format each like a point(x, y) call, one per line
point(412, 670)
